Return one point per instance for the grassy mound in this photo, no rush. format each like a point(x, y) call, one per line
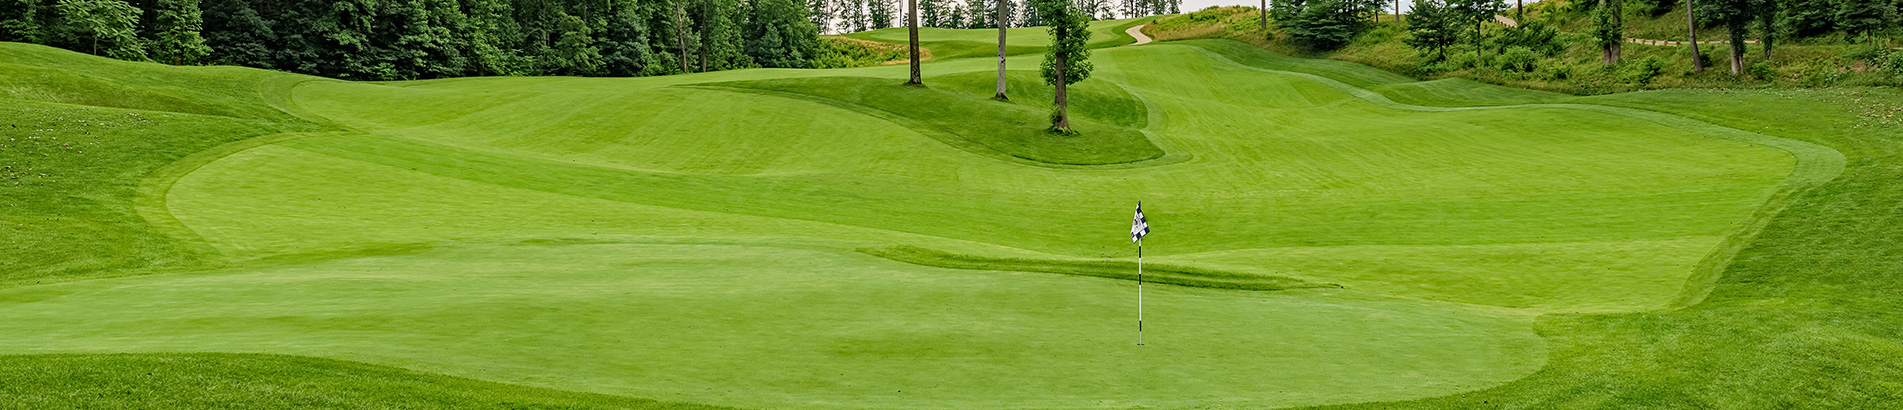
point(963, 115)
point(1163, 274)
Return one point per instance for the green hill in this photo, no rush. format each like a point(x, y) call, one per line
point(1330, 234)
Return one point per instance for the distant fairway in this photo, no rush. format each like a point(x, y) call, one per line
point(714, 238)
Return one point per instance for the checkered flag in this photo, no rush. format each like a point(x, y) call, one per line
point(1139, 227)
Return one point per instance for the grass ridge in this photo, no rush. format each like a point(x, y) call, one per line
point(1109, 269)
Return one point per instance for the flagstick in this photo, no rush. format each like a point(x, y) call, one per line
point(1139, 292)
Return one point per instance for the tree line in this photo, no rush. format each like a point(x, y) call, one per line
point(413, 39)
point(860, 15)
point(420, 39)
point(1438, 25)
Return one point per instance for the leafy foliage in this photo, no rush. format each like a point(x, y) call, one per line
point(1432, 28)
point(177, 40)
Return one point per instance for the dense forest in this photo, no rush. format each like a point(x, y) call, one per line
point(419, 39)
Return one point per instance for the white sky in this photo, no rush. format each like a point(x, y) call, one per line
point(1193, 5)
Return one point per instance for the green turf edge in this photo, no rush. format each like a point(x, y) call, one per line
point(270, 381)
point(1109, 269)
point(1815, 164)
point(947, 138)
point(150, 195)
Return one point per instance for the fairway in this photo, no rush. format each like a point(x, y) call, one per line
point(727, 238)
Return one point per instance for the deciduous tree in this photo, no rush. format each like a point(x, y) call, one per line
point(110, 23)
point(176, 37)
point(1067, 60)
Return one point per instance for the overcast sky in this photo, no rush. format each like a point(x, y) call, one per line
point(1193, 5)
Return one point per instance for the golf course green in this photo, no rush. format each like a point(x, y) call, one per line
point(1325, 233)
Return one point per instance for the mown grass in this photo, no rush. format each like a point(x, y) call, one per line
point(1795, 321)
point(627, 237)
point(1154, 273)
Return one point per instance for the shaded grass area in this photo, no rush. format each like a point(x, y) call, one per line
point(265, 381)
point(965, 119)
point(1109, 269)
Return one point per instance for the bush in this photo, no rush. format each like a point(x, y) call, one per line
point(1642, 71)
point(1520, 59)
point(1534, 35)
point(1762, 70)
point(1894, 63)
point(1704, 54)
point(1553, 70)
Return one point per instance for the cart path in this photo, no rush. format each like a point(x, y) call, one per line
point(1137, 32)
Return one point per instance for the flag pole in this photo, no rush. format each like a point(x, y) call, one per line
point(1139, 292)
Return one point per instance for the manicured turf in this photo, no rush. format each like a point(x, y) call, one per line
point(674, 239)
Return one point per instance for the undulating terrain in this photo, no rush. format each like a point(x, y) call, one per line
point(1325, 234)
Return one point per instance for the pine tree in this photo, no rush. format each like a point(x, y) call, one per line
point(1433, 28)
point(177, 28)
point(1865, 18)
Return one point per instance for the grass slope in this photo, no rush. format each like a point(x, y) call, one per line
point(947, 44)
point(635, 238)
point(966, 119)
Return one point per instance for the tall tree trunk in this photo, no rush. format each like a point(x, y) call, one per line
point(1519, 10)
point(1001, 17)
point(911, 23)
point(1265, 15)
point(680, 32)
point(1737, 51)
point(706, 14)
point(1691, 30)
point(1062, 122)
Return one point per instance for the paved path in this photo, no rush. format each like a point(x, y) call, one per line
point(1137, 33)
point(1505, 21)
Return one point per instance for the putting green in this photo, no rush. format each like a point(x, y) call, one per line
point(655, 238)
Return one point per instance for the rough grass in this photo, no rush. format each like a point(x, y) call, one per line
point(255, 381)
point(946, 44)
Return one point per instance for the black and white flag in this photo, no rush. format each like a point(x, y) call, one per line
point(1139, 227)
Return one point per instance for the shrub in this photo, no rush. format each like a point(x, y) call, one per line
point(1641, 72)
point(1534, 35)
point(1762, 70)
point(1892, 63)
point(1553, 70)
point(1704, 54)
point(1519, 59)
